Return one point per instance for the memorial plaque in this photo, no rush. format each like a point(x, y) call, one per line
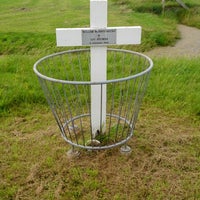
point(99, 36)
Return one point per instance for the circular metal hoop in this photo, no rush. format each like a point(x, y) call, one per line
point(96, 143)
point(65, 80)
point(43, 76)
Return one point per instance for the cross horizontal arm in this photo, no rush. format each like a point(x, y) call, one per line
point(95, 37)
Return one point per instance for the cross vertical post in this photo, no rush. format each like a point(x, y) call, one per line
point(98, 19)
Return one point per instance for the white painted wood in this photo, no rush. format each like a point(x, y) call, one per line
point(98, 13)
point(98, 19)
point(98, 93)
point(129, 35)
point(68, 37)
point(73, 36)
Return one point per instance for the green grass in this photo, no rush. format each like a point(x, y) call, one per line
point(177, 89)
point(178, 86)
point(23, 44)
point(165, 161)
point(18, 84)
point(172, 10)
point(36, 22)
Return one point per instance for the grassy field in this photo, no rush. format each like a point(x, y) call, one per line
point(172, 10)
point(165, 162)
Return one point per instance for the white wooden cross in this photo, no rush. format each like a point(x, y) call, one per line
point(98, 36)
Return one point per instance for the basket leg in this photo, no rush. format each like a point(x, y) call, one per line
point(125, 150)
point(72, 153)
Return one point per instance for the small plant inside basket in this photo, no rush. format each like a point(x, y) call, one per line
point(115, 134)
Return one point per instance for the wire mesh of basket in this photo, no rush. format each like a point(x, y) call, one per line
point(65, 80)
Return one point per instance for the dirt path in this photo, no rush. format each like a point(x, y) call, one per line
point(188, 45)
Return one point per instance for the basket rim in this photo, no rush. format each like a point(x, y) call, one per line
point(147, 70)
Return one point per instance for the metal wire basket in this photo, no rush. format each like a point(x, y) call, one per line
point(65, 80)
